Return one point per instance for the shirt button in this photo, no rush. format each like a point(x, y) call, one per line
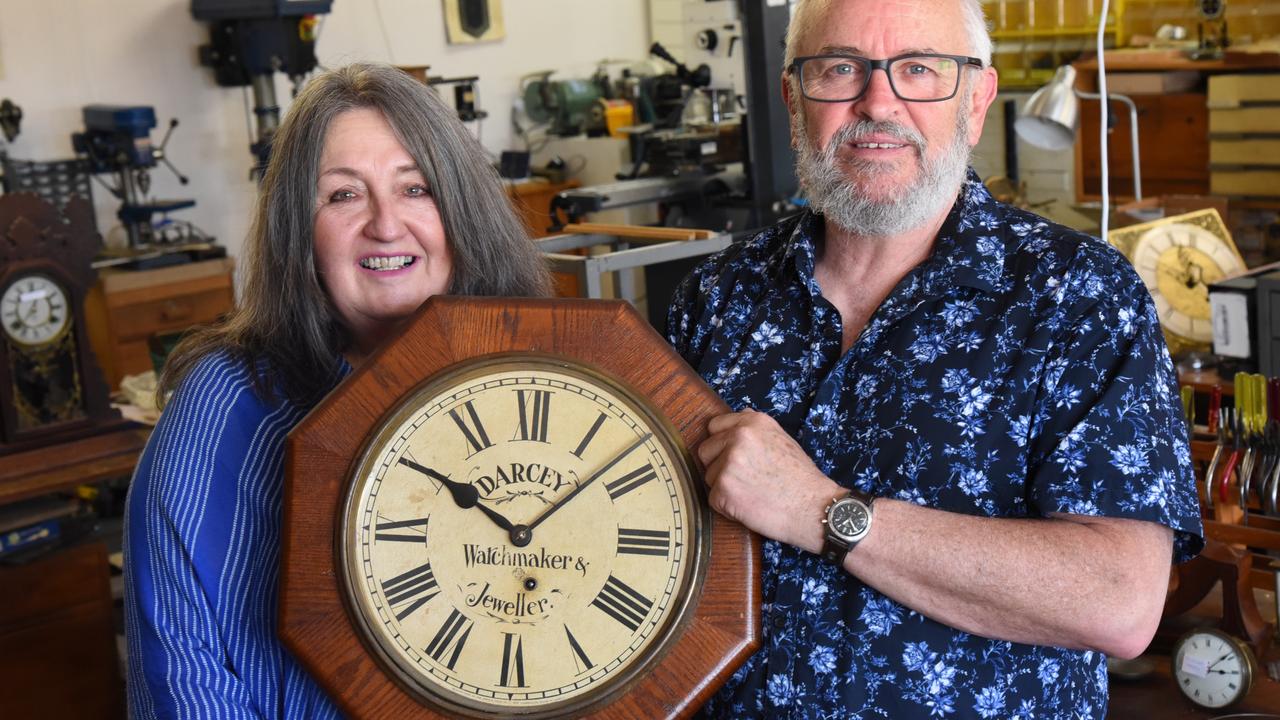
point(780, 622)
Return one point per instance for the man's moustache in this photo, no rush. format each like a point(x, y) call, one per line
point(863, 131)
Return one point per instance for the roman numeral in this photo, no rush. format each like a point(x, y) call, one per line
point(477, 438)
point(386, 530)
point(535, 409)
point(450, 639)
point(591, 434)
point(632, 541)
point(622, 603)
point(581, 662)
point(631, 481)
point(418, 585)
point(512, 661)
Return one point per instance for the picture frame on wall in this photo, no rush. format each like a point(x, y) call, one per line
point(473, 21)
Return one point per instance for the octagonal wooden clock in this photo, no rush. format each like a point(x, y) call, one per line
point(499, 516)
point(51, 388)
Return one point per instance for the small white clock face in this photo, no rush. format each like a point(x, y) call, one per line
point(520, 538)
point(34, 310)
point(1177, 262)
point(1212, 669)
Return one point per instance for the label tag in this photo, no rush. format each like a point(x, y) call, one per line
point(1230, 314)
point(1196, 666)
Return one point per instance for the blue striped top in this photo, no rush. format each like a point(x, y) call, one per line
point(202, 555)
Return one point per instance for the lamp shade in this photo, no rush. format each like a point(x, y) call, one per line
point(1049, 118)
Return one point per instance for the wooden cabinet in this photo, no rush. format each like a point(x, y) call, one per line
point(126, 308)
point(57, 638)
point(532, 201)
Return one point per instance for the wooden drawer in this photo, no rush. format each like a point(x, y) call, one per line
point(57, 638)
point(125, 309)
point(179, 311)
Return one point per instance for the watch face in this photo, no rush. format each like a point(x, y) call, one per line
point(521, 537)
point(849, 518)
point(34, 310)
point(1212, 668)
point(1177, 262)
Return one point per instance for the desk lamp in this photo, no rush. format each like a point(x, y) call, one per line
point(1052, 114)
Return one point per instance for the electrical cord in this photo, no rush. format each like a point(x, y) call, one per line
point(1103, 105)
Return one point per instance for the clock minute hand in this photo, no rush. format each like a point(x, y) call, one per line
point(607, 466)
point(464, 495)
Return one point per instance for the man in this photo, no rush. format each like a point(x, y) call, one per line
point(992, 389)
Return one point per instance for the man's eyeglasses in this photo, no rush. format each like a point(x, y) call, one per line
point(915, 77)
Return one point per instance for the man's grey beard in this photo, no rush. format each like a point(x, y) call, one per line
point(833, 193)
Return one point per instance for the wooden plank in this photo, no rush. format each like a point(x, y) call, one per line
point(638, 232)
point(66, 465)
point(122, 280)
point(1243, 153)
point(1264, 183)
point(1233, 91)
point(1264, 119)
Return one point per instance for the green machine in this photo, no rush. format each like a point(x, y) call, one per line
point(569, 106)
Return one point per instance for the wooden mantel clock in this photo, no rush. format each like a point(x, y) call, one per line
point(499, 516)
point(51, 388)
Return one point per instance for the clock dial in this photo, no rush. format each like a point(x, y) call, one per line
point(1212, 668)
point(1178, 262)
point(520, 537)
point(34, 310)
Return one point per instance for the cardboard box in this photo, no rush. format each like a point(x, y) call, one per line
point(1263, 119)
point(1259, 183)
point(1233, 91)
point(1245, 152)
point(1152, 83)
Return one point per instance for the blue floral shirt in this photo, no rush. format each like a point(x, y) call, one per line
point(1018, 371)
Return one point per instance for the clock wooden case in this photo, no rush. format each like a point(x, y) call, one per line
point(498, 516)
point(51, 388)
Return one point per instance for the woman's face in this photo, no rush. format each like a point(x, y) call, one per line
point(379, 246)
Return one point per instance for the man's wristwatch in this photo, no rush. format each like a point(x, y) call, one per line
point(847, 522)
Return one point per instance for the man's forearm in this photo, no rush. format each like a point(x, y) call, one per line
point(1070, 581)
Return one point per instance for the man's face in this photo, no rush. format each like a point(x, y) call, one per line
point(888, 151)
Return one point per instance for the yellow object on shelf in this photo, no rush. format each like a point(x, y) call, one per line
point(1033, 37)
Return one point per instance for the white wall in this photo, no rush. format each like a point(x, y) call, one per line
point(58, 55)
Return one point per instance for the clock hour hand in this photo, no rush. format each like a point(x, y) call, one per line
point(521, 535)
point(464, 495)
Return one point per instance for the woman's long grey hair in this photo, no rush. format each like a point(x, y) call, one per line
point(284, 325)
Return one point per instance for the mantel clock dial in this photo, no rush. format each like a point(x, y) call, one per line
point(34, 310)
point(506, 520)
point(1178, 258)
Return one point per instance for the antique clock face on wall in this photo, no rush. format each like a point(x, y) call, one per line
point(498, 516)
point(521, 534)
point(1178, 258)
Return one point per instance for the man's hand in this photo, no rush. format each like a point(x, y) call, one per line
point(760, 477)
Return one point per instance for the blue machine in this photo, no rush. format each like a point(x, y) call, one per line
point(117, 140)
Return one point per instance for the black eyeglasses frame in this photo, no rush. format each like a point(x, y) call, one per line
point(883, 64)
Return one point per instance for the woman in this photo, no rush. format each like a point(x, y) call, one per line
point(375, 199)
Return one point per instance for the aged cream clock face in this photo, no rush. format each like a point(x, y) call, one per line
point(1178, 262)
point(520, 538)
point(1212, 668)
point(34, 310)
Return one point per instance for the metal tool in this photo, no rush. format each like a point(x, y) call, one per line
point(1217, 425)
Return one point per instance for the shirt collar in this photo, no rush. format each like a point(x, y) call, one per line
point(969, 251)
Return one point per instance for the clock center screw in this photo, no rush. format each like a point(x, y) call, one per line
point(530, 584)
point(521, 535)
